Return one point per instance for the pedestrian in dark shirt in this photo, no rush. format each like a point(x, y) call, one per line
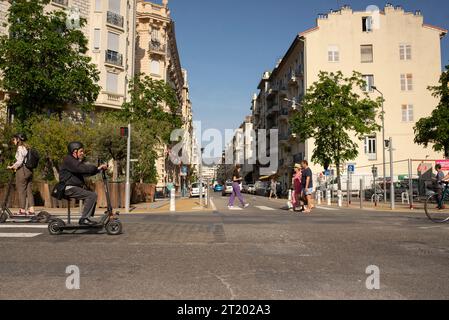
point(307, 185)
point(72, 173)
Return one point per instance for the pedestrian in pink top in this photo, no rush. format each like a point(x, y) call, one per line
point(297, 187)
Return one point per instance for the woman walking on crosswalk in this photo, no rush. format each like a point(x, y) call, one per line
point(236, 181)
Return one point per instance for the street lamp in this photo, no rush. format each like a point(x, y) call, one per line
point(383, 144)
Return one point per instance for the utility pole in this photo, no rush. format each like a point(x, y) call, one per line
point(392, 175)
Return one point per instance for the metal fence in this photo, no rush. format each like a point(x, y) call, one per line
point(413, 181)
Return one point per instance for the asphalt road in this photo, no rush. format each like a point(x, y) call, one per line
point(262, 252)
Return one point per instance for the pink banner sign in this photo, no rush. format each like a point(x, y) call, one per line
point(444, 164)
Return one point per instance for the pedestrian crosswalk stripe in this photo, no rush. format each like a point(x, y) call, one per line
point(327, 208)
point(19, 226)
point(235, 208)
point(265, 208)
point(19, 235)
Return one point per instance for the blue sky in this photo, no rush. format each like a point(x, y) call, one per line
point(227, 45)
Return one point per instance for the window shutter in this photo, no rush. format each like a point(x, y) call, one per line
point(112, 82)
point(113, 41)
point(114, 6)
point(97, 38)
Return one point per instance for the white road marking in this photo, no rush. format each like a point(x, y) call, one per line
point(235, 208)
point(327, 208)
point(265, 208)
point(213, 204)
point(18, 226)
point(19, 235)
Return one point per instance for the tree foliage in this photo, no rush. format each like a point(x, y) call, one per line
point(435, 129)
point(43, 62)
point(153, 112)
point(334, 111)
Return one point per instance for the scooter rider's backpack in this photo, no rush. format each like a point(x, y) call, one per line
point(32, 159)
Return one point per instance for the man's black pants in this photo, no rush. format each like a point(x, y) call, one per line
point(89, 198)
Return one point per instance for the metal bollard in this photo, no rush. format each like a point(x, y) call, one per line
point(289, 202)
point(319, 197)
point(328, 197)
point(340, 198)
point(172, 200)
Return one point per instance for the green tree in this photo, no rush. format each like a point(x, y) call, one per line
point(153, 111)
point(334, 110)
point(7, 150)
point(43, 62)
point(435, 129)
point(50, 137)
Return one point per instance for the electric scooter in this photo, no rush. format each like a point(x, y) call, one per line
point(7, 215)
point(109, 222)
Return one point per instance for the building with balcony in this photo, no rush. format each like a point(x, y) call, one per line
point(389, 47)
point(157, 56)
point(110, 31)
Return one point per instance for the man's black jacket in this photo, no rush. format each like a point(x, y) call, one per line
point(73, 171)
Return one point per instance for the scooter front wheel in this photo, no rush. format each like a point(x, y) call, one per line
point(114, 228)
point(55, 227)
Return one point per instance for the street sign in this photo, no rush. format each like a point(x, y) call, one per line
point(374, 171)
point(327, 173)
point(183, 171)
point(351, 168)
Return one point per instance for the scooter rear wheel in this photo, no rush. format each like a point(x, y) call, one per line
point(114, 228)
point(43, 217)
point(3, 216)
point(55, 227)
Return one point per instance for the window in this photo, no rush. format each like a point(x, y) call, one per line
point(367, 53)
point(98, 5)
point(367, 24)
point(112, 82)
point(97, 39)
point(405, 52)
point(407, 113)
point(155, 67)
point(333, 54)
point(113, 41)
point(407, 82)
point(114, 6)
point(155, 35)
point(369, 79)
point(371, 147)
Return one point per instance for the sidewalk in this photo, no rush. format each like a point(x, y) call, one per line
point(161, 206)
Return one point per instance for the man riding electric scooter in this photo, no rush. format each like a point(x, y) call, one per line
point(72, 173)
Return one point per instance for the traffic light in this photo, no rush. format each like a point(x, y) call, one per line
point(124, 131)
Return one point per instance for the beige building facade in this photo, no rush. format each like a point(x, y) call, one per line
point(110, 31)
point(394, 50)
point(157, 56)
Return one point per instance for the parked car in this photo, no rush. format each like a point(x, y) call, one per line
point(251, 189)
point(244, 187)
point(227, 189)
point(195, 190)
point(262, 188)
point(218, 188)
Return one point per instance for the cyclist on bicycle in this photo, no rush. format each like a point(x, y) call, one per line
point(440, 179)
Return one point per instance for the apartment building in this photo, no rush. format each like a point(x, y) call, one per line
point(394, 50)
point(157, 56)
point(110, 31)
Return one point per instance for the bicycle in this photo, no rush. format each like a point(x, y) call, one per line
point(436, 207)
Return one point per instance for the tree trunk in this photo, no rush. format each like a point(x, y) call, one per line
point(115, 172)
point(338, 176)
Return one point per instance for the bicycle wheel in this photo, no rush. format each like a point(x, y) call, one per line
point(436, 213)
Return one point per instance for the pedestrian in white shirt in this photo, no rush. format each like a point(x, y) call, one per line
point(24, 176)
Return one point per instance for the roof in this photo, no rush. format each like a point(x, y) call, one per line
point(443, 31)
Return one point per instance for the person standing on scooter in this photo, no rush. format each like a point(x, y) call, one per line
point(24, 176)
point(72, 173)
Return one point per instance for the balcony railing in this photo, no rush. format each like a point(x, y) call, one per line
point(284, 112)
point(114, 58)
point(156, 46)
point(115, 19)
point(64, 3)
